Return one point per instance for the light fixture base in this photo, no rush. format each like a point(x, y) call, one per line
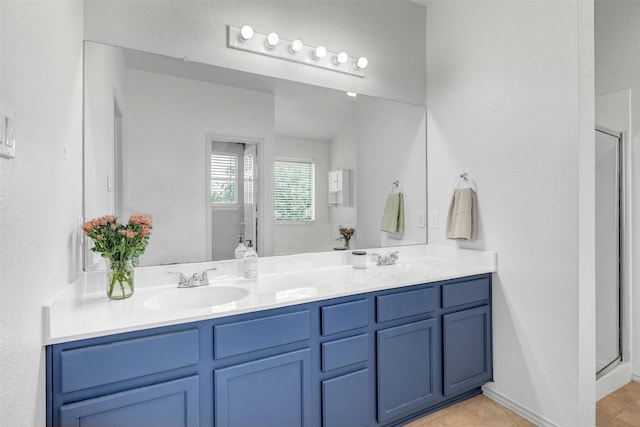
point(257, 44)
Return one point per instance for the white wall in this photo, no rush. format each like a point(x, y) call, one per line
point(343, 156)
point(104, 71)
point(510, 99)
point(389, 33)
point(617, 69)
point(390, 147)
point(168, 115)
point(314, 237)
point(41, 189)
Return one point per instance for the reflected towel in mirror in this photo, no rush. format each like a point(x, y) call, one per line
point(393, 215)
point(461, 219)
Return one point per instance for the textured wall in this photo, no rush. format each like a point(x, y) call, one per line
point(389, 33)
point(505, 103)
point(41, 189)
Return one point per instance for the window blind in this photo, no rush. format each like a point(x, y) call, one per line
point(293, 190)
point(224, 178)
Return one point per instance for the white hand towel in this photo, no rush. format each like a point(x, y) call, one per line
point(461, 219)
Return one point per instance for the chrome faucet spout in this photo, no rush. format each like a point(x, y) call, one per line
point(195, 280)
point(390, 259)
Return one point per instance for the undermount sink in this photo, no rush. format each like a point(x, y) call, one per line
point(194, 298)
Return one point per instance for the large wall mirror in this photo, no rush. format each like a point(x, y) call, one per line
point(213, 153)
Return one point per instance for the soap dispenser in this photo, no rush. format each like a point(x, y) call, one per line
point(250, 262)
point(241, 249)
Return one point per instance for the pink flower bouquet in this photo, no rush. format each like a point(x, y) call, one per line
point(120, 245)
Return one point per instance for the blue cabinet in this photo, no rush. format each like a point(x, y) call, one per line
point(270, 392)
point(408, 368)
point(466, 349)
point(345, 400)
point(373, 359)
point(169, 404)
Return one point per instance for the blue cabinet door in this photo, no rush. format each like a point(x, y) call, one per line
point(270, 392)
point(169, 404)
point(345, 400)
point(408, 368)
point(467, 349)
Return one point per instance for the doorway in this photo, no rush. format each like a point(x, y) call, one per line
point(232, 196)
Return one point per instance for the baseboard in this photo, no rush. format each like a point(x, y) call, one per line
point(518, 409)
point(636, 377)
point(613, 380)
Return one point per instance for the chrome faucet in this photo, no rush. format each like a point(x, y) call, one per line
point(194, 281)
point(388, 259)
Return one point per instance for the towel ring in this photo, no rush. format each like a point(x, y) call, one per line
point(464, 178)
point(396, 186)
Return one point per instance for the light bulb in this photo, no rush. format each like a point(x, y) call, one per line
point(272, 40)
point(352, 94)
point(296, 46)
point(246, 33)
point(340, 58)
point(361, 63)
point(320, 52)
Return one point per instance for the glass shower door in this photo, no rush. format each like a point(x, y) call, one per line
point(608, 349)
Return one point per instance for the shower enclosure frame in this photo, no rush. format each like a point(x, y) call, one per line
point(619, 371)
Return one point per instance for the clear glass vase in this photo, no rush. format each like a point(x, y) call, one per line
point(120, 279)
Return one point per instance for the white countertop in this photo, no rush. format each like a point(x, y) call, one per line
point(84, 311)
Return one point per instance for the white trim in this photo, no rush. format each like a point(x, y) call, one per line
point(613, 380)
point(636, 377)
point(517, 408)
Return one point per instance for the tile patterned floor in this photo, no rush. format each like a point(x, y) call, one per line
point(479, 411)
point(621, 408)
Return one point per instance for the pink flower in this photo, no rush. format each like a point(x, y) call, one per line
point(88, 227)
point(141, 219)
point(129, 234)
point(145, 230)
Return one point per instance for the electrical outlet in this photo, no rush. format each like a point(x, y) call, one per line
point(421, 220)
point(434, 220)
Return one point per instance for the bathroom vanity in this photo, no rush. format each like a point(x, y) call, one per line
point(340, 347)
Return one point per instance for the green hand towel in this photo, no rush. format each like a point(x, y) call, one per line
point(393, 215)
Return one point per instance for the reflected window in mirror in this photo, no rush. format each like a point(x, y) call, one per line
point(224, 179)
point(294, 191)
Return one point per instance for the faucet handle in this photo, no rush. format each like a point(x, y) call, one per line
point(204, 280)
point(182, 280)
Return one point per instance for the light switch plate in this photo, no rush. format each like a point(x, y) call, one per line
point(7, 138)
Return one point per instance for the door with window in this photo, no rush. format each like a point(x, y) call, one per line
point(232, 193)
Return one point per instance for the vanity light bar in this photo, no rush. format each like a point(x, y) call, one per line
point(245, 38)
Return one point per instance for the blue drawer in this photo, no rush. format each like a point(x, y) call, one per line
point(345, 352)
point(469, 292)
point(345, 317)
point(253, 335)
point(405, 304)
point(122, 360)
